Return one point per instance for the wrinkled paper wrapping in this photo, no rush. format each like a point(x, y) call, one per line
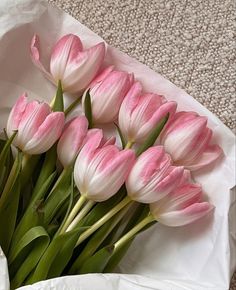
point(199, 256)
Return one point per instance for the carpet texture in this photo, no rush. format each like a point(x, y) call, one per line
point(189, 42)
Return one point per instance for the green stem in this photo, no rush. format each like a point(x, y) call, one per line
point(74, 212)
point(80, 215)
point(72, 106)
point(134, 231)
point(57, 104)
point(129, 144)
point(103, 220)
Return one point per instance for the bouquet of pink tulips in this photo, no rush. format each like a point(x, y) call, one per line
point(72, 199)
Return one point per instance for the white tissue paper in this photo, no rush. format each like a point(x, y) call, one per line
point(199, 256)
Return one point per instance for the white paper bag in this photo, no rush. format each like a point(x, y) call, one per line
point(199, 256)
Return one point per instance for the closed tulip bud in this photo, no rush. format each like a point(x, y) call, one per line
point(74, 66)
point(38, 127)
point(153, 177)
point(140, 113)
point(182, 206)
point(107, 92)
point(101, 168)
point(72, 140)
point(187, 139)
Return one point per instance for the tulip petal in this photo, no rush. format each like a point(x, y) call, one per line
point(92, 142)
point(107, 96)
point(80, 72)
point(179, 120)
point(114, 172)
point(211, 154)
point(129, 104)
point(101, 76)
point(47, 134)
point(152, 177)
point(71, 140)
point(185, 216)
point(186, 136)
point(161, 112)
point(35, 56)
point(66, 50)
point(34, 115)
point(170, 182)
point(16, 114)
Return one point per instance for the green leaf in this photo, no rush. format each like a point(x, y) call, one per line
point(49, 167)
point(34, 214)
point(5, 151)
point(117, 256)
point(88, 109)
point(151, 139)
point(29, 162)
point(28, 252)
point(2, 144)
point(120, 252)
point(58, 105)
point(98, 262)
point(11, 180)
point(56, 256)
point(65, 253)
point(139, 214)
point(7, 166)
point(122, 139)
point(96, 240)
point(58, 195)
point(8, 215)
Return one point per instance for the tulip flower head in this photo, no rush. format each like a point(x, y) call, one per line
point(38, 127)
point(153, 177)
point(182, 206)
point(140, 113)
point(71, 140)
point(70, 63)
point(107, 92)
point(101, 168)
point(187, 139)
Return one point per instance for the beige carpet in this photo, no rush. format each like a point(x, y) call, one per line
point(189, 42)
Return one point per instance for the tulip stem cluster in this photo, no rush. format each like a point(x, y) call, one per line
point(104, 219)
point(74, 212)
point(80, 215)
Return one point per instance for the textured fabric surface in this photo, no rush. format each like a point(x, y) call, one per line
point(189, 42)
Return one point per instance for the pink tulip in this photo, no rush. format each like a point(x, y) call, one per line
point(38, 127)
point(182, 206)
point(101, 169)
point(69, 63)
point(72, 140)
point(152, 176)
point(140, 113)
point(187, 139)
point(107, 92)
